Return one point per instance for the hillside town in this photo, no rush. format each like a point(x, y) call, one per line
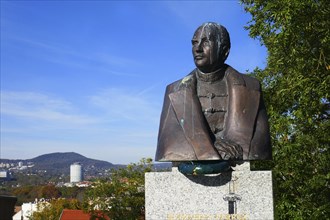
point(69, 191)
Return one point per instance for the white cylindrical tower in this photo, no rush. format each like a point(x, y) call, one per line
point(76, 174)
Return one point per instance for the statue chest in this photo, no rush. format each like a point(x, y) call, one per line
point(214, 102)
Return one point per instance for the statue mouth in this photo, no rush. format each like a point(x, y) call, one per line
point(198, 57)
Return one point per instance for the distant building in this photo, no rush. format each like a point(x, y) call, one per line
point(26, 211)
point(84, 184)
point(5, 175)
point(76, 174)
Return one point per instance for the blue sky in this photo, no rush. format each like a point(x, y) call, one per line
point(89, 76)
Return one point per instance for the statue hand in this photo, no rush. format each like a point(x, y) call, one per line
point(229, 150)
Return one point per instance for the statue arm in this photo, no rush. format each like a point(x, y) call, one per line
point(229, 150)
point(260, 148)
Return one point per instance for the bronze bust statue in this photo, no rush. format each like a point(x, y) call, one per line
point(214, 113)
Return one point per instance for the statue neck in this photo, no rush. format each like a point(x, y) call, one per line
point(211, 76)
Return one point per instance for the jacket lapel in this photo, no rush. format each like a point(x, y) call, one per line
point(190, 117)
point(242, 111)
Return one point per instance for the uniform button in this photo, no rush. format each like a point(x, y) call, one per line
point(210, 95)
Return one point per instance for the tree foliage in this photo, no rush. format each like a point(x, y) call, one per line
point(296, 91)
point(121, 197)
point(30, 193)
point(53, 209)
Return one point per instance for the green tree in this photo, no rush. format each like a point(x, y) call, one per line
point(71, 192)
point(49, 192)
point(123, 196)
point(30, 193)
point(296, 91)
point(25, 193)
point(53, 209)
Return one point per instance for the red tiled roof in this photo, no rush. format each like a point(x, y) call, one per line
point(68, 214)
point(74, 215)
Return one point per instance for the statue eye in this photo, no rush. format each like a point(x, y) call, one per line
point(194, 42)
point(206, 43)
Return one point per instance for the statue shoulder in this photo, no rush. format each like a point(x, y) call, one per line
point(238, 78)
point(185, 82)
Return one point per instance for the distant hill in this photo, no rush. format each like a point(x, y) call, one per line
point(60, 160)
point(60, 163)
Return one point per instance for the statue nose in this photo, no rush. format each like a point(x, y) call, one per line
point(198, 47)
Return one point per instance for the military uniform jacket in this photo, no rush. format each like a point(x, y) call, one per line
point(184, 134)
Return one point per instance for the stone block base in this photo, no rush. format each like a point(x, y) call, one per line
point(240, 194)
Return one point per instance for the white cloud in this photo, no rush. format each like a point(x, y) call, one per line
point(120, 123)
point(125, 104)
point(66, 55)
point(114, 104)
point(36, 106)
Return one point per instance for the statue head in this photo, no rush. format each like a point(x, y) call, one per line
point(210, 46)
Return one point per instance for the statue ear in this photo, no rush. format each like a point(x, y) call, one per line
point(226, 53)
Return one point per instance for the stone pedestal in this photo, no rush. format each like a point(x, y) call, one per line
point(240, 194)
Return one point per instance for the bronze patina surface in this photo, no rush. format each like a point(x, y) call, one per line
point(215, 112)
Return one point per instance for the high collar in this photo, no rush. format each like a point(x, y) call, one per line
point(212, 76)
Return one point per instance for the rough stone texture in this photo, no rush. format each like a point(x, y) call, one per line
point(172, 195)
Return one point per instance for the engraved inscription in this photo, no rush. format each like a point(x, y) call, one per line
point(196, 216)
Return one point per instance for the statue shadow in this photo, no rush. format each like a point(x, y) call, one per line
point(212, 180)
